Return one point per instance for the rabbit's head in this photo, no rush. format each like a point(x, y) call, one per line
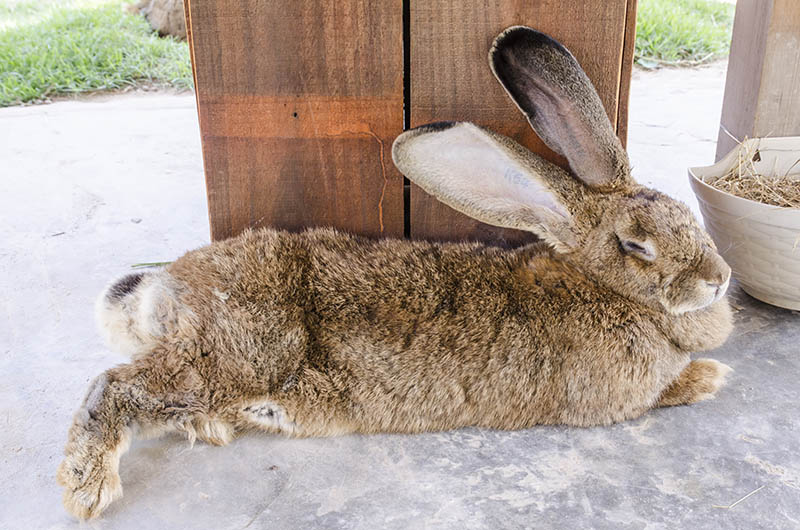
point(635, 240)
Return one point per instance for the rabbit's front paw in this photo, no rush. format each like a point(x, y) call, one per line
point(90, 477)
point(710, 376)
point(700, 380)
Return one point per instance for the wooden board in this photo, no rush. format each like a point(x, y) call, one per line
point(762, 89)
point(451, 80)
point(628, 52)
point(298, 105)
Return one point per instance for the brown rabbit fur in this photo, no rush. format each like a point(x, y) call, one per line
point(322, 333)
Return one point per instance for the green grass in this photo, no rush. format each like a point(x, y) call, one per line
point(682, 32)
point(68, 47)
point(56, 47)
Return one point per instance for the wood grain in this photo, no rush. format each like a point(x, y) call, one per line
point(451, 80)
point(762, 89)
point(628, 51)
point(298, 104)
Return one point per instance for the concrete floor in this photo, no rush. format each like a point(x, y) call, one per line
point(90, 187)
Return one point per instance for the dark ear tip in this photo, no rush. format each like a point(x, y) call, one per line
point(435, 126)
point(402, 142)
point(523, 37)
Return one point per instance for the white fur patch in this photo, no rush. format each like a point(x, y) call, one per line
point(131, 324)
point(221, 295)
point(270, 416)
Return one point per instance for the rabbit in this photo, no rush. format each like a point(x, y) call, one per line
point(322, 333)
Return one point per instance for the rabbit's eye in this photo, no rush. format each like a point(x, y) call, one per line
point(641, 250)
point(630, 246)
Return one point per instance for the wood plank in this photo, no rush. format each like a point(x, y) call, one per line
point(451, 80)
point(628, 51)
point(779, 101)
point(745, 63)
point(762, 89)
point(188, 19)
point(299, 103)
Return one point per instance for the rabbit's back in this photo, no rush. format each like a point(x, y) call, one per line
point(354, 334)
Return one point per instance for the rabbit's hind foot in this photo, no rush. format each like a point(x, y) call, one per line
point(89, 472)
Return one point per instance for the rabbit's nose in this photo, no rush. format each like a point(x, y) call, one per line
point(715, 270)
point(719, 279)
point(719, 287)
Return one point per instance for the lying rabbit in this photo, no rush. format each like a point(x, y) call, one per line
point(323, 333)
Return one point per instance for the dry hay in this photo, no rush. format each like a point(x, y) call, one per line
point(744, 181)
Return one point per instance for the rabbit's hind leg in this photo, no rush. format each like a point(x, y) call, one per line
point(699, 381)
point(123, 401)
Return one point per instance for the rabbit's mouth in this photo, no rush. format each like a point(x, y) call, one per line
point(721, 290)
point(706, 294)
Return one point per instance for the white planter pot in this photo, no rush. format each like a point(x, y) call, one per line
point(760, 242)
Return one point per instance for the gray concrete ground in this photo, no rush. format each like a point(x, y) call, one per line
point(88, 188)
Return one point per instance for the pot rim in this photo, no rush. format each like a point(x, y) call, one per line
point(783, 143)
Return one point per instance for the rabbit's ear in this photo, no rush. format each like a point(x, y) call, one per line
point(488, 177)
point(562, 106)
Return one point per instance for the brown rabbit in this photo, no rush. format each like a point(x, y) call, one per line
point(323, 333)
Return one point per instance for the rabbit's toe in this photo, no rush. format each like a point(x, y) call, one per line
point(89, 471)
point(89, 487)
